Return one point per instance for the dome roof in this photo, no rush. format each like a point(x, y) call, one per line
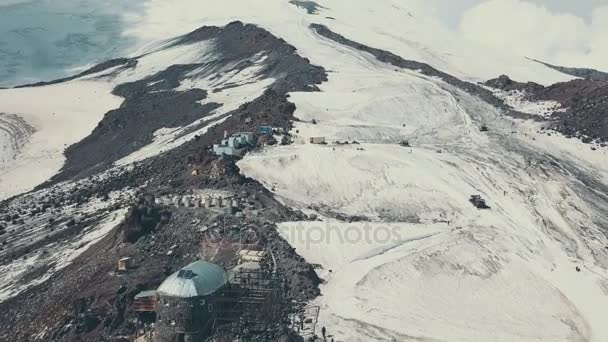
point(197, 279)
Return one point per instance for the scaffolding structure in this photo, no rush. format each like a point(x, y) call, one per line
point(304, 322)
point(253, 306)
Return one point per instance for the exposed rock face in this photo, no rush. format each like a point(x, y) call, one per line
point(236, 40)
point(155, 100)
point(121, 132)
point(503, 82)
point(585, 101)
point(142, 219)
point(174, 167)
point(311, 7)
point(586, 73)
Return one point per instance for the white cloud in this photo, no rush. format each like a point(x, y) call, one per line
point(534, 31)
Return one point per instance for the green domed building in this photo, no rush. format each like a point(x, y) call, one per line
point(185, 302)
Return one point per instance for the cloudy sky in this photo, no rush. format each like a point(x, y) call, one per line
point(565, 32)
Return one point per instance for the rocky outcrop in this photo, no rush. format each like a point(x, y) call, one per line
point(311, 7)
point(154, 102)
point(586, 116)
point(503, 82)
point(586, 73)
point(585, 103)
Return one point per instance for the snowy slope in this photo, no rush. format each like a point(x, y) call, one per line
point(52, 229)
point(241, 85)
point(507, 274)
point(491, 275)
point(38, 123)
point(501, 274)
point(58, 116)
point(55, 256)
point(418, 38)
point(454, 273)
point(400, 26)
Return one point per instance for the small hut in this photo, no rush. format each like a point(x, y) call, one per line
point(123, 264)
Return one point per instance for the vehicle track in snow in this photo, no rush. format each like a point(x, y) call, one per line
point(14, 134)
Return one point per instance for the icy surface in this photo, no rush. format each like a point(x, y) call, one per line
point(44, 40)
point(483, 275)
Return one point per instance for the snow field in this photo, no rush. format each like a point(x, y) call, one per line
point(61, 114)
point(502, 275)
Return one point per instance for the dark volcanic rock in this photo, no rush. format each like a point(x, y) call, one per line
point(174, 167)
point(153, 103)
point(310, 6)
point(503, 82)
point(585, 101)
point(586, 73)
point(120, 64)
point(142, 219)
point(236, 41)
point(130, 127)
point(88, 300)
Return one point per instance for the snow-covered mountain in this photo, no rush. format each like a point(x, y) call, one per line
point(412, 130)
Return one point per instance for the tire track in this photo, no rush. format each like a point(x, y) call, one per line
point(15, 132)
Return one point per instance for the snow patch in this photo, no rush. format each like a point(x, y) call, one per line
point(517, 99)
